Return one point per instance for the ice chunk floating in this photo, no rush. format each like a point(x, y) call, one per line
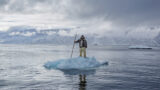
point(139, 47)
point(74, 63)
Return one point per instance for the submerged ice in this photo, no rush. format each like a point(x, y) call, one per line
point(73, 63)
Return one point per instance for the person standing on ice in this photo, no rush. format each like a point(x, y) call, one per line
point(82, 45)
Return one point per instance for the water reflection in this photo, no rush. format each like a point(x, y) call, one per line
point(82, 82)
point(82, 76)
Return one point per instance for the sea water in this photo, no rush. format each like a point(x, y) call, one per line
point(22, 68)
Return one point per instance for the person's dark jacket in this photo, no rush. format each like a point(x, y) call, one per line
point(82, 43)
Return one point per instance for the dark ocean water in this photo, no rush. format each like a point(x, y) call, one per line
point(21, 68)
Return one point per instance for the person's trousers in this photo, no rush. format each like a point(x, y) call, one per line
point(83, 50)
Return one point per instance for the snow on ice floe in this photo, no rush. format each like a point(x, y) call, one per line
point(74, 63)
point(139, 47)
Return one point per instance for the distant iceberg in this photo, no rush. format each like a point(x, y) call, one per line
point(139, 47)
point(74, 63)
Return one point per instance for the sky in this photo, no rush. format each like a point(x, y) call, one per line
point(112, 18)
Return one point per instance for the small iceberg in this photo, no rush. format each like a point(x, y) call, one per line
point(139, 47)
point(74, 63)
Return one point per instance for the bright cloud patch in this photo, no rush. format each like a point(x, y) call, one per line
point(27, 34)
point(14, 33)
point(64, 33)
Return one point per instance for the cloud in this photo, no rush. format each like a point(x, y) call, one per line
point(111, 18)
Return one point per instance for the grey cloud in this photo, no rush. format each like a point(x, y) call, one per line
point(82, 9)
point(122, 11)
point(3, 2)
point(27, 6)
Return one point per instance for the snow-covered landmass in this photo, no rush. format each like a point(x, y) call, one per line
point(29, 35)
point(73, 63)
point(139, 47)
point(157, 38)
